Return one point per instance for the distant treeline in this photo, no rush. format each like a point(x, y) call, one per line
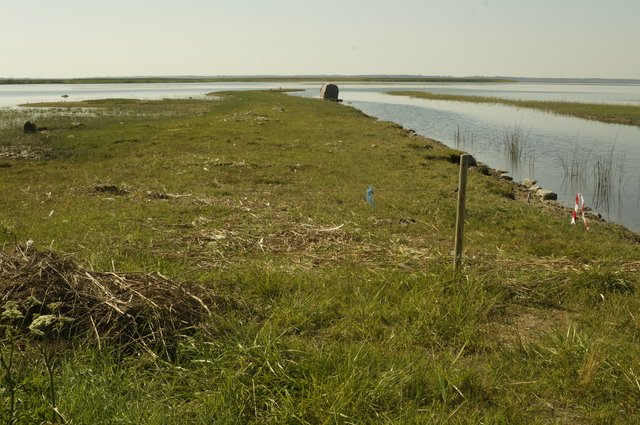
point(336, 78)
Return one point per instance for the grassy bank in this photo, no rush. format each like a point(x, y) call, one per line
point(323, 308)
point(609, 113)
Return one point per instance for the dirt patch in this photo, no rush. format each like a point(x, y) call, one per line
point(299, 239)
point(49, 296)
point(165, 195)
point(22, 152)
point(523, 325)
point(109, 189)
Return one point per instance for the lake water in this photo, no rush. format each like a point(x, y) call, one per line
point(12, 95)
point(566, 155)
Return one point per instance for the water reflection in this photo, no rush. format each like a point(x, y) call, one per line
point(621, 92)
point(12, 95)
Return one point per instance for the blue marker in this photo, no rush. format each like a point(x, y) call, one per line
point(369, 196)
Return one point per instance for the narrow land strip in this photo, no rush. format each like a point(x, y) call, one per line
point(608, 113)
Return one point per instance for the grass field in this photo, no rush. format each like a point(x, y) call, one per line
point(609, 113)
point(323, 308)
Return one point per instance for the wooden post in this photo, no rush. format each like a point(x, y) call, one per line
point(462, 196)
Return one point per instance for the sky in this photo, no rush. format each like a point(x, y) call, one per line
point(517, 38)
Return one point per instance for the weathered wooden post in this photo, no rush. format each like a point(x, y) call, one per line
point(462, 196)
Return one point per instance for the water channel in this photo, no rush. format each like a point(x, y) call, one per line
point(566, 155)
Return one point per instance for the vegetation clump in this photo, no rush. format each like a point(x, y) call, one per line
point(41, 288)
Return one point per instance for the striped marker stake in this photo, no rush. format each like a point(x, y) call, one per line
point(579, 207)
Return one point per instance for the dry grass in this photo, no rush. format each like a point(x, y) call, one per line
point(22, 152)
point(146, 309)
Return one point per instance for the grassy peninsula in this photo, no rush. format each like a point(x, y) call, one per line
point(609, 113)
point(292, 299)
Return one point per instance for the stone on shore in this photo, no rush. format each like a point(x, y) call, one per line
point(547, 195)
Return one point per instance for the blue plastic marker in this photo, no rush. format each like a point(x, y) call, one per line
point(369, 197)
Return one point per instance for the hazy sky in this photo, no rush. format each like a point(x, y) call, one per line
point(536, 38)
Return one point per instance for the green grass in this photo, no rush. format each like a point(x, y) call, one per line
point(335, 312)
point(609, 113)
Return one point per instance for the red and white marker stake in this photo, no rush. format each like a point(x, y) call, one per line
point(579, 207)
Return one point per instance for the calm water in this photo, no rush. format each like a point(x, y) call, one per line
point(566, 155)
point(623, 93)
point(12, 95)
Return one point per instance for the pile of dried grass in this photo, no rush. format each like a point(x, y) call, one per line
point(22, 152)
point(126, 308)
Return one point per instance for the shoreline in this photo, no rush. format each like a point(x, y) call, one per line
point(525, 192)
point(604, 112)
point(497, 173)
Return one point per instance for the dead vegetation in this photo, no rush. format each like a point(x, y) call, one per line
point(22, 152)
point(49, 296)
point(110, 189)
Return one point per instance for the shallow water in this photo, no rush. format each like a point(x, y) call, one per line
point(16, 94)
point(620, 93)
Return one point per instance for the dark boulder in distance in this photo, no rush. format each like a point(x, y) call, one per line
point(30, 127)
point(329, 92)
